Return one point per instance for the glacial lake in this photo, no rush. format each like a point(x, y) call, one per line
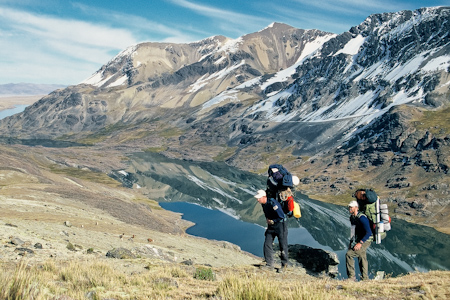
point(12, 111)
point(219, 200)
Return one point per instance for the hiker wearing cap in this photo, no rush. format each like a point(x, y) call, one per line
point(276, 227)
point(359, 242)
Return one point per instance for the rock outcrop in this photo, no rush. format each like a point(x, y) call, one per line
point(317, 262)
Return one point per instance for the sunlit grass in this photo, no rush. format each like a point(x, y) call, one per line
point(155, 149)
point(225, 154)
point(170, 132)
point(152, 204)
point(110, 279)
point(103, 133)
point(435, 121)
point(98, 177)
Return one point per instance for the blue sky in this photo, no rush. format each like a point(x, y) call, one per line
point(64, 42)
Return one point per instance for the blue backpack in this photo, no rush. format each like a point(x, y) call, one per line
point(279, 179)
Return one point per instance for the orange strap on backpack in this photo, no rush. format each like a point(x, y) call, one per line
point(290, 203)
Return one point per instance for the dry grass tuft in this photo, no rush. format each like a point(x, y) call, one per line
point(104, 279)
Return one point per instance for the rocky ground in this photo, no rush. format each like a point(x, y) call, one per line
point(59, 204)
point(52, 211)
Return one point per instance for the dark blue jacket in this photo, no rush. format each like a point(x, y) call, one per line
point(273, 211)
point(362, 227)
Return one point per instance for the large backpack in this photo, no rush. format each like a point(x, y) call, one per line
point(278, 178)
point(369, 205)
point(279, 184)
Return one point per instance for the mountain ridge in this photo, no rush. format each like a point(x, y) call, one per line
point(27, 89)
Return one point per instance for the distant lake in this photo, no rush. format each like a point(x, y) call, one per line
point(219, 200)
point(12, 111)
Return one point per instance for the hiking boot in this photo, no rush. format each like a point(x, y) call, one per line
point(286, 266)
point(267, 268)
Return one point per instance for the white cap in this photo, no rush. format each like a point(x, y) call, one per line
point(295, 180)
point(260, 194)
point(353, 204)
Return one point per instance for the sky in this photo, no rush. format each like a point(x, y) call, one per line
point(65, 42)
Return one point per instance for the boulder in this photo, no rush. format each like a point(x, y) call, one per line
point(316, 261)
point(120, 253)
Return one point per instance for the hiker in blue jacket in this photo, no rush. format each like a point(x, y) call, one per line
point(276, 227)
point(361, 239)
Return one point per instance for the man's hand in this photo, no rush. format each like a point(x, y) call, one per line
point(357, 246)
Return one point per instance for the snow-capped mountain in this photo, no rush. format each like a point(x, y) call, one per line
point(388, 60)
point(279, 88)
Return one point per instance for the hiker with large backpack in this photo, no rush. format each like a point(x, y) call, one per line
point(361, 238)
point(377, 213)
point(276, 228)
point(280, 183)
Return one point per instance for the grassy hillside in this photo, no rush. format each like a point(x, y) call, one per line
point(152, 279)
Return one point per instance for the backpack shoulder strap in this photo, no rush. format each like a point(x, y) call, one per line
point(360, 214)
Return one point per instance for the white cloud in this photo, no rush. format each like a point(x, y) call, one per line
point(72, 31)
point(349, 6)
point(44, 46)
point(308, 20)
point(139, 24)
point(225, 16)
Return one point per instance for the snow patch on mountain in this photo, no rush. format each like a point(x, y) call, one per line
point(231, 46)
point(437, 64)
point(271, 25)
point(310, 49)
point(313, 46)
point(225, 95)
point(353, 46)
point(249, 83)
point(98, 79)
point(200, 83)
point(120, 81)
point(272, 111)
point(401, 70)
point(281, 76)
point(356, 107)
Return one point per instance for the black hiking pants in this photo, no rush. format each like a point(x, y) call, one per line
point(278, 230)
